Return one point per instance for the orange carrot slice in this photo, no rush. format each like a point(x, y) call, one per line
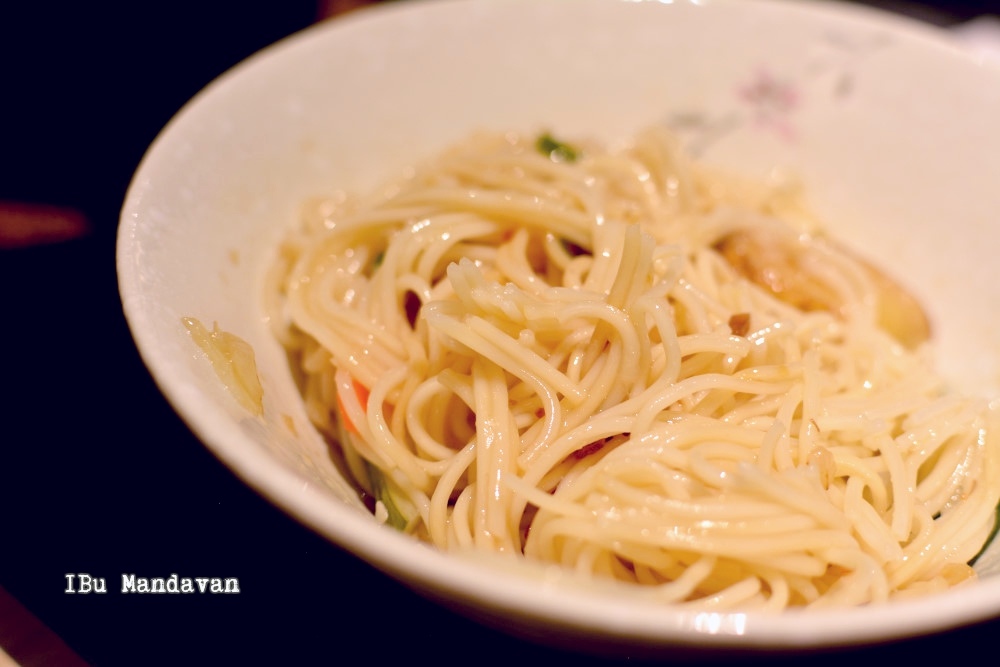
point(361, 392)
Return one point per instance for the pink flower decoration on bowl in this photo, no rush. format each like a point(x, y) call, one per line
point(771, 102)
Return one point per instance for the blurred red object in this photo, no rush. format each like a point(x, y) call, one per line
point(331, 8)
point(24, 224)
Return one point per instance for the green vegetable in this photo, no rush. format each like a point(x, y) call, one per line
point(397, 506)
point(557, 151)
point(989, 540)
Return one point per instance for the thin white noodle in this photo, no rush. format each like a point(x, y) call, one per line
point(554, 368)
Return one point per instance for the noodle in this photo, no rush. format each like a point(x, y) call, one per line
point(647, 372)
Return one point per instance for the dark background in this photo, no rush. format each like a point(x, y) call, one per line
point(97, 473)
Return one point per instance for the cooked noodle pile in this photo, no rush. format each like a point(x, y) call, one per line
point(547, 353)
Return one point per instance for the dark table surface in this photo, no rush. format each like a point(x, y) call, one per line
point(97, 474)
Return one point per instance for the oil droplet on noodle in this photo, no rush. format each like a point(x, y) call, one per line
point(232, 358)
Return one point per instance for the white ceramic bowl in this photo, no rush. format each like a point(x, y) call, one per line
point(893, 129)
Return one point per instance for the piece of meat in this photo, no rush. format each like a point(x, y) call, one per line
point(783, 264)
